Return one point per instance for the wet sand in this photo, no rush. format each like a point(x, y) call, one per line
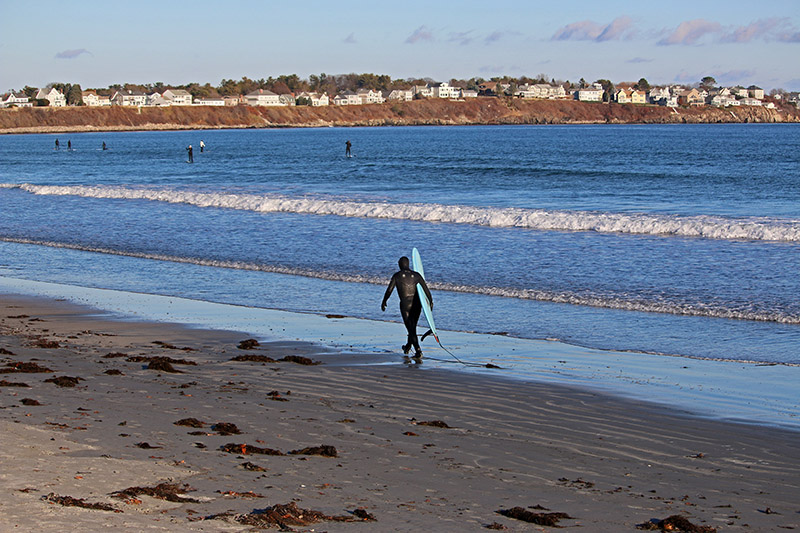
point(607, 463)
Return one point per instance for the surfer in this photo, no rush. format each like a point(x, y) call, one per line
point(57, 145)
point(191, 156)
point(202, 146)
point(104, 146)
point(347, 147)
point(406, 281)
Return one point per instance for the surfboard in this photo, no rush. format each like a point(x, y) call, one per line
point(416, 266)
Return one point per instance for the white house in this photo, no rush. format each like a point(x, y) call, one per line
point(368, 96)
point(177, 97)
point(469, 93)
point(623, 96)
point(231, 100)
point(751, 101)
point(13, 99)
point(592, 94)
point(347, 98)
point(262, 97)
point(56, 98)
point(444, 90)
point(157, 100)
point(657, 93)
point(423, 91)
point(216, 101)
point(315, 99)
point(756, 92)
point(90, 99)
point(287, 99)
point(405, 95)
point(129, 97)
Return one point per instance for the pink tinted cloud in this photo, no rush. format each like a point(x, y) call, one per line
point(72, 54)
point(759, 29)
point(420, 34)
point(588, 30)
point(691, 31)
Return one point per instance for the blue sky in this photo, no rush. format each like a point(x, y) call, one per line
point(96, 44)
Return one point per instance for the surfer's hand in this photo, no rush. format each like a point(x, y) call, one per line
point(383, 306)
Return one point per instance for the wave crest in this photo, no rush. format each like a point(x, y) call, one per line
point(701, 226)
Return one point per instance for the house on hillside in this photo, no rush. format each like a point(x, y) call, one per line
point(315, 99)
point(12, 99)
point(368, 96)
point(155, 99)
point(177, 97)
point(755, 92)
point(262, 97)
point(622, 95)
point(469, 93)
point(56, 98)
point(287, 99)
point(751, 102)
point(444, 90)
point(655, 94)
point(347, 98)
point(231, 100)
point(214, 101)
point(422, 91)
point(488, 88)
point(589, 94)
point(403, 95)
point(690, 97)
point(129, 97)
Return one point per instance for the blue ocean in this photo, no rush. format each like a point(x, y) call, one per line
point(668, 240)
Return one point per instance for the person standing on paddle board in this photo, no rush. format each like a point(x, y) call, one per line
point(406, 281)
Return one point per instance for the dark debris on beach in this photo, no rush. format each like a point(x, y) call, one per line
point(23, 368)
point(4, 383)
point(64, 381)
point(542, 519)
point(226, 428)
point(171, 492)
point(69, 501)
point(285, 516)
point(676, 523)
point(190, 422)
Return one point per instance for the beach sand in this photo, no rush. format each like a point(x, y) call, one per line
point(607, 463)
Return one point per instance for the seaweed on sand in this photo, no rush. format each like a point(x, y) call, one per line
point(325, 451)
point(64, 381)
point(23, 368)
point(542, 519)
point(675, 523)
point(287, 515)
point(69, 501)
point(171, 492)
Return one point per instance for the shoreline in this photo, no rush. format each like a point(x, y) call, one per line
point(481, 111)
point(608, 462)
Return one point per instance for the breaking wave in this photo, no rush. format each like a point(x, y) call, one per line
point(698, 309)
point(702, 226)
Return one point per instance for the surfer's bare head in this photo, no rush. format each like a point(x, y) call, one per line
point(404, 263)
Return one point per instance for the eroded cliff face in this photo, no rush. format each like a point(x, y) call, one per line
point(418, 112)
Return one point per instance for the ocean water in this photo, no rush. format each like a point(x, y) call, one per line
point(674, 240)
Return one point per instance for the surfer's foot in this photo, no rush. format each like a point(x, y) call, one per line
point(418, 354)
point(406, 348)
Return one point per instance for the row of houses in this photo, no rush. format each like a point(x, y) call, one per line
point(677, 96)
point(667, 96)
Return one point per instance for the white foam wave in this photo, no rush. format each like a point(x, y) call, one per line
point(702, 226)
point(606, 302)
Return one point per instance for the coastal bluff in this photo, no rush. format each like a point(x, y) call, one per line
point(479, 111)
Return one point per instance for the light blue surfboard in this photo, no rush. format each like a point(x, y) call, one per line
point(416, 266)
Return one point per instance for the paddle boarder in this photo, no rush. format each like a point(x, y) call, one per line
point(191, 155)
point(347, 147)
point(406, 281)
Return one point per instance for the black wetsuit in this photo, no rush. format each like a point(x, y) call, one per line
point(347, 146)
point(191, 156)
point(406, 281)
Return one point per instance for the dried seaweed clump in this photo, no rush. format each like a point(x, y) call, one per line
point(675, 523)
point(23, 368)
point(247, 449)
point(434, 424)
point(325, 451)
point(226, 428)
point(4, 383)
point(254, 358)
point(190, 422)
point(299, 360)
point(64, 381)
point(171, 492)
point(69, 501)
point(287, 515)
point(248, 344)
point(542, 519)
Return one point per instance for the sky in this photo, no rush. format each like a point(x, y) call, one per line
point(96, 44)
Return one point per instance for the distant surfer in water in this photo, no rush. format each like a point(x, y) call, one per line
point(347, 147)
point(406, 281)
point(57, 145)
point(202, 146)
point(104, 146)
point(191, 155)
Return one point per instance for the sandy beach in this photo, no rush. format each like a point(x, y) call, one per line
point(93, 414)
